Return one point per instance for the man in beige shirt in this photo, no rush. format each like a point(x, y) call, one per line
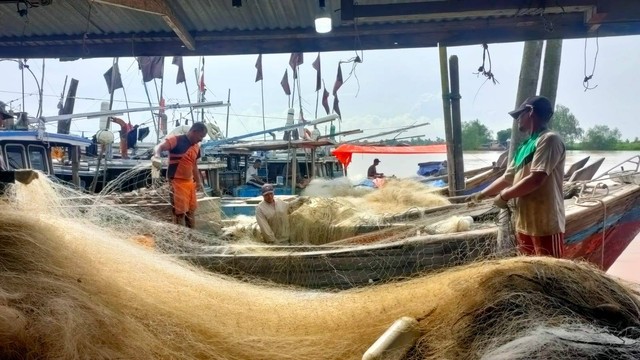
point(273, 217)
point(534, 180)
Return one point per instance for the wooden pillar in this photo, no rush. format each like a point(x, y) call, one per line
point(313, 164)
point(528, 84)
point(75, 165)
point(551, 70)
point(457, 168)
point(446, 112)
point(294, 171)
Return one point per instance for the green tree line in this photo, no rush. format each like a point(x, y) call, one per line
point(599, 137)
point(476, 136)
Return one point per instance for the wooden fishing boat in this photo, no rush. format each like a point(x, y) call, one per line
point(601, 221)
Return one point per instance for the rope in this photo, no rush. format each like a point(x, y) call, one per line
point(506, 236)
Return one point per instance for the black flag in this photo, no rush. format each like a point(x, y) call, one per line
point(117, 81)
point(152, 67)
point(180, 78)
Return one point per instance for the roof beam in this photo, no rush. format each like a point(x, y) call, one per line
point(157, 7)
point(381, 36)
point(448, 8)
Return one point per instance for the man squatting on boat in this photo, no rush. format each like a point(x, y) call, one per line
point(183, 173)
point(272, 216)
point(252, 177)
point(534, 180)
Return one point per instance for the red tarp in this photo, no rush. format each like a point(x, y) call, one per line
point(344, 152)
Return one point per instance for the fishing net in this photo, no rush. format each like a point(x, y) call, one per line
point(74, 284)
point(409, 219)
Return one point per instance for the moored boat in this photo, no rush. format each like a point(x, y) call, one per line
point(601, 221)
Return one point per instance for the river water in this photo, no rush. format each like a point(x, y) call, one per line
point(627, 265)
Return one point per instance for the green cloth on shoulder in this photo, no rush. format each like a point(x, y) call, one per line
point(525, 150)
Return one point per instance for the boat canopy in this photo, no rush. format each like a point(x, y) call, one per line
point(249, 147)
point(344, 152)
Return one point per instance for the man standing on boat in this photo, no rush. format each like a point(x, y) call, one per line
point(372, 172)
point(534, 180)
point(183, 173)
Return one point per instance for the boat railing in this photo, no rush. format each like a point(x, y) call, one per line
point(627, 171)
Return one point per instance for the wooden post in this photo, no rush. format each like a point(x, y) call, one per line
point(294, 171)
point(551, 70)
point(457, 168)
point(529, 73)
point(446, 110)
point(226, 130)
point(313, 164)
point(216, 182)
point(75, 165)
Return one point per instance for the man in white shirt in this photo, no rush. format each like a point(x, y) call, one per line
point(272, 216)
point(252, 177)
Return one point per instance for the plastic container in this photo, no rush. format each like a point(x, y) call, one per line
point(395, 342)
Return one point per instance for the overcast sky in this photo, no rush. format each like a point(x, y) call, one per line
point(389, 89)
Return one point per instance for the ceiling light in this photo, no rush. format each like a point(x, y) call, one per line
point(323, 19)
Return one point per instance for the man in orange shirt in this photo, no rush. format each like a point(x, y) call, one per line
point(183, 173)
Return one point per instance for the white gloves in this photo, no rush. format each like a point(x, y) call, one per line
point(156, 162)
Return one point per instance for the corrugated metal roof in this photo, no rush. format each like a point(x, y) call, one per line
point(88, 28)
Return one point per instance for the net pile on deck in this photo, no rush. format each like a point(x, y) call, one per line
point(76, 286)
point(336, 211)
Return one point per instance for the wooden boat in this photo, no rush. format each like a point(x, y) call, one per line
point(601, 222)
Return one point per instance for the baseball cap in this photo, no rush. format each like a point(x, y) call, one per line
point(541, 107)
point(376, 160)
point(267, 188)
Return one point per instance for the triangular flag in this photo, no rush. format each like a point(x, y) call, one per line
point(316, 65)
point(338, 82)
point(325, 101)
point(336, 108)
point(201, 86)
point(117, 81)
point(180, 78)
point(259, 68)
point(295, 60)
point(285, 83)
point(152, 67)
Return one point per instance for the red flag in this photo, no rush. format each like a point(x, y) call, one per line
point(285, 83)
point(201, 85)
point(325, 101)
point(295, 60)
point(152, 67)
point(338, 82)
point(259, 68)
point(180, 78)
point(316, 65)
point(336, 108)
